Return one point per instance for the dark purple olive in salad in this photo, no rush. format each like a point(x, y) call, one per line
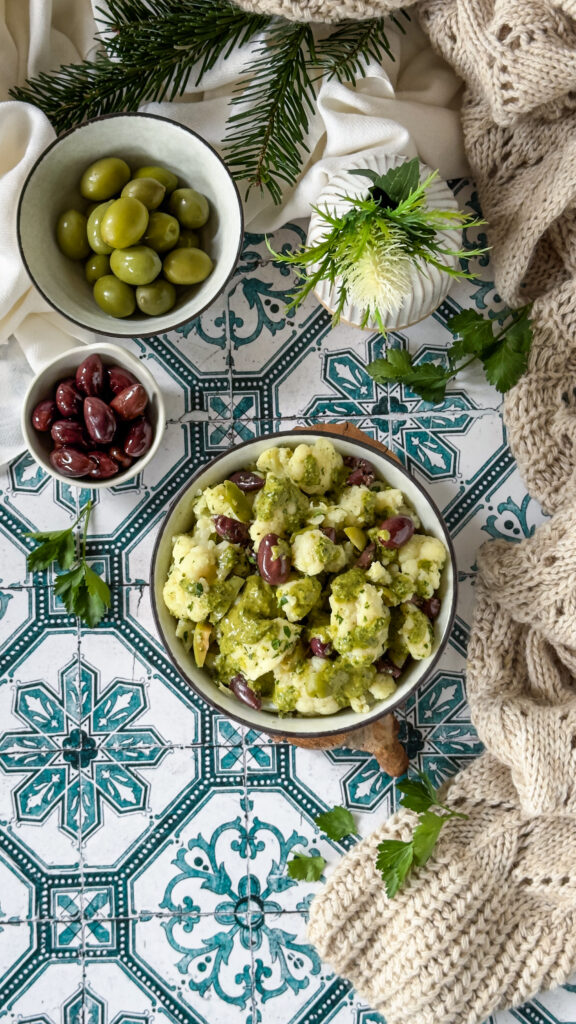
point(384, 664)
point(394, 532)
point(431, 606)
point(274, 568)
point(241, 689)
point(320, 649)
point(231, 529)
point(329, 532)
point(363, 472)
point(247, 481)
point(364, 561)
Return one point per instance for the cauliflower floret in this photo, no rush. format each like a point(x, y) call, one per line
point(274, 460)
point(313, 552)
point(297, 597)
point(391, 502)
point(203, 530)
point(383, 686)
point(416, 632)
point(328, 515)
point(378, 573)
point(423, 559)
point(282, 503)
point(254, 659)
point(186, 599)
point(359, 504)
point(315, 468)
point(226, 499)
point(199, 562)
point(359, 620)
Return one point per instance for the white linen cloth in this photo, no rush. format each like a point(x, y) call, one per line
point(408, 106)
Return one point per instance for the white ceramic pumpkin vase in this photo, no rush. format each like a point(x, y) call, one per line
point(429, 285)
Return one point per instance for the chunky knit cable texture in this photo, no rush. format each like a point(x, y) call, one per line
point(491, 919)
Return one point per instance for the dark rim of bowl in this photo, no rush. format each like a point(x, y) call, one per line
point(101, 330)
point(377, 714)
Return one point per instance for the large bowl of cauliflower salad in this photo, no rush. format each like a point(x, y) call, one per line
point(304, 583)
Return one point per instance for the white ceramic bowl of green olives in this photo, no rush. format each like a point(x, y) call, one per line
point(130, 225)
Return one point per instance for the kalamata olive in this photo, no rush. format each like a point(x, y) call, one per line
point(431, 606)
point(119, 379)
point(231, 529)
point(247, 481)
point(70, 462)
point(329, 532)
point(138, 438)
point(363, 472)
point(44, 415)
point(68, 398)
point(273, 569)
point(364, 561)
point(68, 432)
point(319, 648)
point(394, 532)
point(102, 465)
point(130, 402)
point(244, 692)
point(99, 419)
point(119, 456)
point(387, 666)
point(90, 375)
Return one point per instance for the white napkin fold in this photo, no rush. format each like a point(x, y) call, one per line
point(407, 106)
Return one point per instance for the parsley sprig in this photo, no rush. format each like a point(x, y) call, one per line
point(396, 859)
point(82, 591)
point(336, 824)
point(504, 355)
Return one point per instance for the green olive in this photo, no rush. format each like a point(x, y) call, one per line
point(136, 265)
point(161, 174)
point(96, 266)
point(162, 233)
point(93, 229)
point(147, 190)
point(104, 178)
point(157, 298)
point(124, 222)
point(114, 296)
point(189, 240)
point(190, 207)
point(187, 266)
point(71, 235)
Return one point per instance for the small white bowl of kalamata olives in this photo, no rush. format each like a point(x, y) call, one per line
point(130, 224)
point(94, 416)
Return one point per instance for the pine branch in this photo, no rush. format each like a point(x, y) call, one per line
point(344, 54)
point(266, 138)
point(154, 49)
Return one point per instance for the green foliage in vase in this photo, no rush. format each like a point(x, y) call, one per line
point(153, 50)
point(368, 251)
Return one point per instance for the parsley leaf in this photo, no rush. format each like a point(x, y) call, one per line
point(504, 355)
point(427, 379)
point(82, 591)
point(306, 869)
point(394, 861)
point(56, 546)
point(419, 794)
point(336, 823)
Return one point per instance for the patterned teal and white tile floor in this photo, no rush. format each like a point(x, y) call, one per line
point(143, 837)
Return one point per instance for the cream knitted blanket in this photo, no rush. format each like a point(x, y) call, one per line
point(491, 919)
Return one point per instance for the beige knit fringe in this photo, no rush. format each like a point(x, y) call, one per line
point(323, 10)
